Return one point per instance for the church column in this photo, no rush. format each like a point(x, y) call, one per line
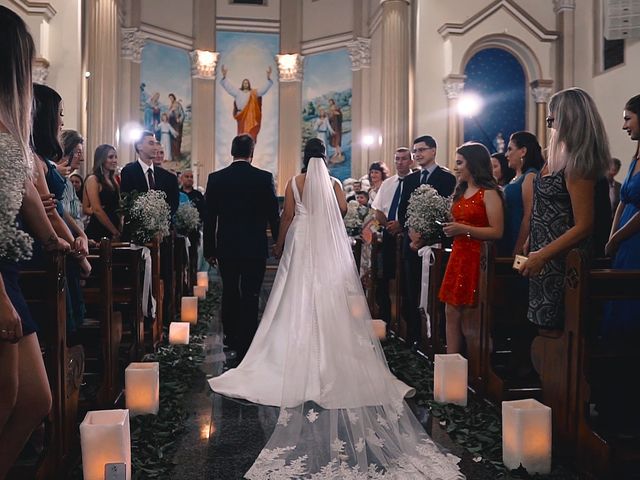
point(103, 32)
point(453, 87)
point(395, 76)
point(541, 90)
point(565, 58)
point(203, 72)
point(360, 54)
point(290, 100)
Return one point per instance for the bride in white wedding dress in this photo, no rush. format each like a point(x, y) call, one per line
point(315, 355)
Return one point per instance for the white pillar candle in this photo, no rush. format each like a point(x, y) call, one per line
point(105, 438)
point(189, 310)
point(142, 387)
point(450, 379)
point(203, 280)
point(200, 292)
point(379, 329)
point(179, 333)
point(358, 306)
point(526, 436)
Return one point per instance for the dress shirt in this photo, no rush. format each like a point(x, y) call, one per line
point(384, 197)
point(146, 167)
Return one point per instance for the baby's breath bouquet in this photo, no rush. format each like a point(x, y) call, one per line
point(355, 217)
point(148, 216)
point(187, 218)
point(426, 208)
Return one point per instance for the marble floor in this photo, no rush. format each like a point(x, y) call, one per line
point(224, 436)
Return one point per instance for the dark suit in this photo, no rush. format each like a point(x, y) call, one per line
point(444, 182)
point(240, 202)
point(132, 178)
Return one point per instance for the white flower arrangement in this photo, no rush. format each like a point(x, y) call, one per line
point(149, 216)
point(355, 218)
point(15, 244)
point(426, 212)
point(187, 218)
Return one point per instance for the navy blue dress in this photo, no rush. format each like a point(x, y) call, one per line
point(513, 214)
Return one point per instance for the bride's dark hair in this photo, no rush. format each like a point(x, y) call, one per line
point(314, 148)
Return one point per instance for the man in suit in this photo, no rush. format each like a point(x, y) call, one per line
point(424, 153)
point(240, 202)
point(142, 175)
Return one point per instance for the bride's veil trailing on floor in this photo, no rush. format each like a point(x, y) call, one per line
point(343, 413)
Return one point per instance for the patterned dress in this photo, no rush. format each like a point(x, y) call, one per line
point(551, 217)
point(460, 283)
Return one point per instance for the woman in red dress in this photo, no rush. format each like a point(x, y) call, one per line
point(478, 216)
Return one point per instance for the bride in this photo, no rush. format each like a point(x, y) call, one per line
point(342, 412)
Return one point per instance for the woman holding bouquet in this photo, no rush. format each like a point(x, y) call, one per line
point(102, 200)
point(477, 211)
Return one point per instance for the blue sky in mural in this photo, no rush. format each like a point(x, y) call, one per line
point(498, 78)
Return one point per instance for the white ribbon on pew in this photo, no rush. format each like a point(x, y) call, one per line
point(147, 286)
point(428, 257)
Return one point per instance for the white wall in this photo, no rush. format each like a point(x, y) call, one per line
point(270, 11)
point(325, 18)
point(171, 15)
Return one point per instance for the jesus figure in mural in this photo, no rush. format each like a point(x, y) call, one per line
point(247, 105)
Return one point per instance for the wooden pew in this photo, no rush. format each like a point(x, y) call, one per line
point(102, 332)
point(567, 365)
point(433, 339)
point(44, 291)
point(398, 324)
point(181, 271)
point(505, 369)
point(127, 271)
point(374, 271)
point(153, 330)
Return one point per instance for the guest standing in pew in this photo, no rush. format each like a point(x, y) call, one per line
point(142, 175)
point(562, 215)
point(614, 185)
point(424, 153)
point(25, 397)
point(102, 199)
point(194, 195)
point(524, 155)
point(386, 205)
point(47, 127)
point(235, 239)
point(502, 172)
point(72, 158)
point(378, 173)
point(622, 318)
point(477, 212)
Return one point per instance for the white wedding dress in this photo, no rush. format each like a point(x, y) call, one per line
point(315, 355)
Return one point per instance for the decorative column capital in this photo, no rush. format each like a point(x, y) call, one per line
point(40, 70)
point(132, 44)
point(359, 53)
point(203, 64)
point(560, 6)
point(290, 67)
point(454, 85)
point(541, 90)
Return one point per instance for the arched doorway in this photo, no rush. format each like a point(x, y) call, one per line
point(498, 78)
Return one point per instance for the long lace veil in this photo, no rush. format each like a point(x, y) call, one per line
point(343, 413)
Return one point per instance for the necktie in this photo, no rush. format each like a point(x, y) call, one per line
point(152, 182)
point(393, 211)
point(423, 177)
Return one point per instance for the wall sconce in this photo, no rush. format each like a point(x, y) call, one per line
point(450, 379)
point(142, 387)
point(526, 435)
point(203, 64)
point(105, 438)
point(290, 67)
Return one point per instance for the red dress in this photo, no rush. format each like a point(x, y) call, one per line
point(460, 282)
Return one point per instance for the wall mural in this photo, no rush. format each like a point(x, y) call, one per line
point(165, 101)
point(326, 107)
point(247, 95)
point(498, 78)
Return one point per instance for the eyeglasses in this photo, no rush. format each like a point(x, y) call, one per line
point(421, 149)
point(550, 120)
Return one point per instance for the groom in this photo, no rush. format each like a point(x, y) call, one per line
point(240, 201)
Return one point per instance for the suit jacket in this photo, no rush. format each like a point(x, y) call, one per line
point(240, 202)
point(441, 179)
point(132, 178)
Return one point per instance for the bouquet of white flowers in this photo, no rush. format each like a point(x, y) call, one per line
point(426, 212)
point(148, 216)
point(355, 217)
point(187, 218)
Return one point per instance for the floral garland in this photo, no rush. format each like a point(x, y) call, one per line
point(187, 218)
point(426, 212)
point(147, 215)
point(15, 244)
